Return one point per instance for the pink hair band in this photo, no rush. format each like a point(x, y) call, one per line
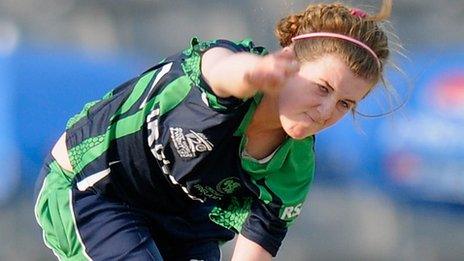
point(339, 36)
point(358, 12)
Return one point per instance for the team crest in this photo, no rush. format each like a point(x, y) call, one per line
point(188, 145)
point(228, 185)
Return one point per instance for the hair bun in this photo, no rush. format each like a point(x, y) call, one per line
point(287, 28)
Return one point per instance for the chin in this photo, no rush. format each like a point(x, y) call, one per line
point(298, 134)
point(298, 137)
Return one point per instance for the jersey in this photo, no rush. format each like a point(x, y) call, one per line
point(165, 142)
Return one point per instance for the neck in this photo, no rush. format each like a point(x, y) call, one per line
point(265, 132)
point(266, 116)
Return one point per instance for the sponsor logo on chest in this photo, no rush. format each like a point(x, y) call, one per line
point(224, 187)
point(157, 149)
point(190, 144)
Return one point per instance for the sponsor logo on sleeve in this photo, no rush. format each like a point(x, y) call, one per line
point(291, 211)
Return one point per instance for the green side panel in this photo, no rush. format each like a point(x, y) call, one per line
point(86, 109)
point(91, 148)
point(80, 115)
point(77, 152)
point(108, 95)
point(134, 96)
point(174, 94)
point(233, 216)
point(136, 93)
point(54, 214)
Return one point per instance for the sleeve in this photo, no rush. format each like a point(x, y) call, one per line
point(192, 67)
point(281, 186)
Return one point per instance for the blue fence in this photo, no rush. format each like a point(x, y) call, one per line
point(45, 87)
point(418, 153)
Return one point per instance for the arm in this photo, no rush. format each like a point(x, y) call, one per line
point(242, 74)
point(60, 153)
point(280, 196)
point(247, 250)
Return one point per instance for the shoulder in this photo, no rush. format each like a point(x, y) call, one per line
point(246, 45)
point(193, 58)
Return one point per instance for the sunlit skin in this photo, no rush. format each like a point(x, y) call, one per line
point(319, 95)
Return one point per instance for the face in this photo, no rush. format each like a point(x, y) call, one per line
point(318, 96)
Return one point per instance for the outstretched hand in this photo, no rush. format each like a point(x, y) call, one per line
point(273, 71)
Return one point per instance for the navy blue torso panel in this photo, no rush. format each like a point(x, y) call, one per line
point(165, 144)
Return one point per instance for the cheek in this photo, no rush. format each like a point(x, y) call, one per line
point(336, 118)
point(295, 99)
point(284, 103)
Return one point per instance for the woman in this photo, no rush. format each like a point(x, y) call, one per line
point(215, 140)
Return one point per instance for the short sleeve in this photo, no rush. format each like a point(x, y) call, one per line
point(281, 186)
point(192, 67)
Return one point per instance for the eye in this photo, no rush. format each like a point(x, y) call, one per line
point(323, 89)
point(345, 105)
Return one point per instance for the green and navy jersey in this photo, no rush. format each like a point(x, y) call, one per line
point(164, 141)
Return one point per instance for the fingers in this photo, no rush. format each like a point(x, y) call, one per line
point(286, 53)
point(292, 68)
point(286, 61)
point(273, 71)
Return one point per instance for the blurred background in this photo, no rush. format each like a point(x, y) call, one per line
point(387, 188)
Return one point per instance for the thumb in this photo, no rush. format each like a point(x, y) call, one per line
point(286, 53)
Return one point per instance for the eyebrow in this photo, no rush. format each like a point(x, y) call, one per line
point(327, 84)
point(330, 86)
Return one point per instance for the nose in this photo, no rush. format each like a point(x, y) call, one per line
point(325, 111)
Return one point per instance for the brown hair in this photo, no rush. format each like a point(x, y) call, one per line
point(338, 18)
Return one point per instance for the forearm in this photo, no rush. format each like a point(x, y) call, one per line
point(247, 250)
point(227, 75)
point(243, 74)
